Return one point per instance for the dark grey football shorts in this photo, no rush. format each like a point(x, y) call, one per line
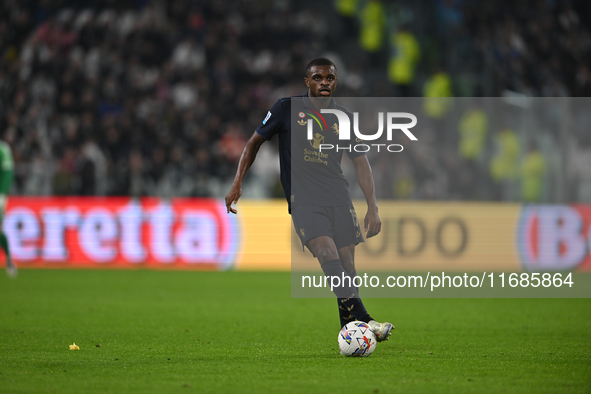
point(339, 223)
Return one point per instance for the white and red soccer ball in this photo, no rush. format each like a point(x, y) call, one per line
point(356, 339)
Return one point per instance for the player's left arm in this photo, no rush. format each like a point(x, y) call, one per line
point(372, 223)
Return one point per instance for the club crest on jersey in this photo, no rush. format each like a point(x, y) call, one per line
point(317, 140)
point(335, 127)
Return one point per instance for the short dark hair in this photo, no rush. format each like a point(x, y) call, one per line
point(319, 61)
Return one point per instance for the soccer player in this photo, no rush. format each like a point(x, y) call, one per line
point(317, 193)
point(6, 176)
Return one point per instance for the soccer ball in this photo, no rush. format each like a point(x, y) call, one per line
point(357, 339)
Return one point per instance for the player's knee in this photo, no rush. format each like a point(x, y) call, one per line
point(324, 254)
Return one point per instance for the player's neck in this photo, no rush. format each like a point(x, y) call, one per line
point(320, 102)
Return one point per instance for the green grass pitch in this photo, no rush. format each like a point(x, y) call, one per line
point(237, 332)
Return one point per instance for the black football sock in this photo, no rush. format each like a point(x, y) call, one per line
point(344, 315)
point(343, 288)
point(355, 307)
point(366, 318)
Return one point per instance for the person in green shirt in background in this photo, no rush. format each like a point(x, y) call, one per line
point(373, 29)
point(533, 171)
point(406, 53)
point(504, 166)
point(473, 129)
point(437, 92)
point(6, 177)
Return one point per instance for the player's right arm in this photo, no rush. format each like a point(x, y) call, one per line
point(271, 125)
point(247, 157)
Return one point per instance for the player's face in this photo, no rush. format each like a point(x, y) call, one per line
point(322, 81)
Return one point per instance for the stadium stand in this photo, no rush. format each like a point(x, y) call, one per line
point(156, 98)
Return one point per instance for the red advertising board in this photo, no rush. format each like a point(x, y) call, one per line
point(555, 237)
point(121, 232)
point(199, 234)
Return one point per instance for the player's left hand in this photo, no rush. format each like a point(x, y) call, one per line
point(372, 224)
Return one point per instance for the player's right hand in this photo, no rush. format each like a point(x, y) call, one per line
point(232, 198)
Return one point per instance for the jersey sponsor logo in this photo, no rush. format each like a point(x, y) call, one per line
point(318, 139)
point(267, 117)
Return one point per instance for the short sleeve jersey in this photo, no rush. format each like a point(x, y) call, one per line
point(309, 176)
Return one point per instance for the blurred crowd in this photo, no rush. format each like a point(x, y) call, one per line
point(138, 97)
point(537, 48)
